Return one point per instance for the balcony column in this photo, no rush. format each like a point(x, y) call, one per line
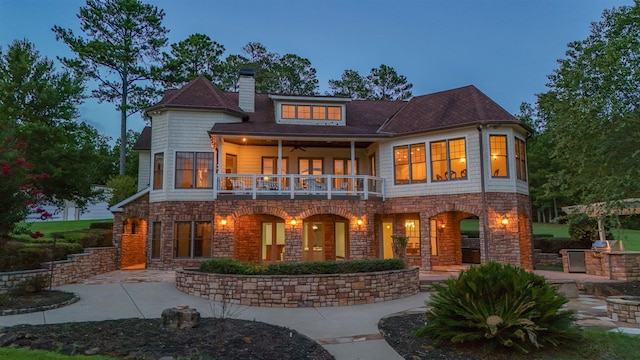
point(279, 167)
point(353, 165)
point(217, 182)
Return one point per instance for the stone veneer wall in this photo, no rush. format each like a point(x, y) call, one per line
point(624, 309)
point(78, 267)
point(301, 291)
point(546, 259)
point(618, 265)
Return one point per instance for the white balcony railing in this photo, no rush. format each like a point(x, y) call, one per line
point(294, 185)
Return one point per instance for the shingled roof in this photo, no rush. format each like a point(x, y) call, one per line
point(451, 108)
point(200, 93)
point(463, 106)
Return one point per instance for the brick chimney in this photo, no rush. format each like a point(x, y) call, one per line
point(247, 90)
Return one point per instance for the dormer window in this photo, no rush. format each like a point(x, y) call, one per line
point(310, 110)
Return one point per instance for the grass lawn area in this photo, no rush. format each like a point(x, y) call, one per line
point(23, 354)
point(630, 238)
point(49, 227)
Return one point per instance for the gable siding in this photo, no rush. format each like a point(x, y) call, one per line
point(144, 169)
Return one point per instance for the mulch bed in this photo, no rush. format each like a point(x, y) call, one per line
point(32, 302)
point(145, 339)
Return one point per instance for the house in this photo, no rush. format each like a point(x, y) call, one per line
point(269, 178)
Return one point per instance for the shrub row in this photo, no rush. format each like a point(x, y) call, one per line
point(230, 266)
point(15, 256)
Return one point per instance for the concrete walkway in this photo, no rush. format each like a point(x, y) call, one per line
point(349, 332)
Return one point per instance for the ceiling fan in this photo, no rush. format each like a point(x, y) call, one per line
point(297, 147)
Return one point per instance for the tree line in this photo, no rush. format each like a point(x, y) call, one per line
point(584, 147)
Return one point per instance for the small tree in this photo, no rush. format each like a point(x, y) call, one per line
point(399, 246)
point(17, 187)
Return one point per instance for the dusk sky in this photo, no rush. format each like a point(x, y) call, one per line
point(505, 48)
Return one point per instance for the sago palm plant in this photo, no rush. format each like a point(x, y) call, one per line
point(501, 305)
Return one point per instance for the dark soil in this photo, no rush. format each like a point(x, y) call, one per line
point(30, 302)
point(145, 339)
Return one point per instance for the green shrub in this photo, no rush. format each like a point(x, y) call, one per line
point(585, 230)
point(108, 225)
point(32, 285)
point(555, 244)
point(473, 234)
point(4, 299)
point(498, 305)
point(230, 266)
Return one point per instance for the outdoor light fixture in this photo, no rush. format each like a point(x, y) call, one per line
point(294, 222)
point(359, 222)
point(504, 221)
point(223, 222)
point(442, 226)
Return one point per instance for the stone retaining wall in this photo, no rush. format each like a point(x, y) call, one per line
point(546, 259)
point(76, 268)
point(300, 291)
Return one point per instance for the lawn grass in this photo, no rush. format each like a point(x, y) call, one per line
point(24, 354)
point(49, 227)
point(630, 238)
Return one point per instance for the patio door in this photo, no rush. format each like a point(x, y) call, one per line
point(313, 241)
point(311, 166)
point(342, 169)
point(272, 248)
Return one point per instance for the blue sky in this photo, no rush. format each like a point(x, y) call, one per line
point(506, 48)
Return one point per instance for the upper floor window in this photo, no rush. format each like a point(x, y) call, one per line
point(410, 164)
point(521, 159)
point(498, 150)
point(448, 160)
point(311, 112)
point(194, 170)
point(158, 170)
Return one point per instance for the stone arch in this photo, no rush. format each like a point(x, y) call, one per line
point(133, 250)
point(259, 209)
point(326, 209)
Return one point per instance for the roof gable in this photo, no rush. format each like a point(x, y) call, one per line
point(199, 93)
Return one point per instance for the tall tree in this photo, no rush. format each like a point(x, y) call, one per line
point(38, 107)
point(351, 84)
point(124, 38)
point(386, 84)
point(296, 76)
point(592, 109)
point(382, 83)
point(189, 58)
point(274, 74)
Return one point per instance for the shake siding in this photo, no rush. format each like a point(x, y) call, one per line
point(159, 139)
point(144, 169)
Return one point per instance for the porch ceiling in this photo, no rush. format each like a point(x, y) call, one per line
point(295, 143)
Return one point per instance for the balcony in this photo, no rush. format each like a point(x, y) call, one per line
point(295, 186)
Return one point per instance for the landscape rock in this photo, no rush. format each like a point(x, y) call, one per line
point(180, 317)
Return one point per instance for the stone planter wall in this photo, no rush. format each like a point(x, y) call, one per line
point(300, 291)
point(624, 309)
point(76, 268)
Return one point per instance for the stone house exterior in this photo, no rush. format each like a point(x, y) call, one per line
point(269, 178)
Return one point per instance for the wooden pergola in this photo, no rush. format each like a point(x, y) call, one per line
point(601, 209)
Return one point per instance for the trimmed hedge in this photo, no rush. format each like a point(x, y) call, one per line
point(230, 266)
